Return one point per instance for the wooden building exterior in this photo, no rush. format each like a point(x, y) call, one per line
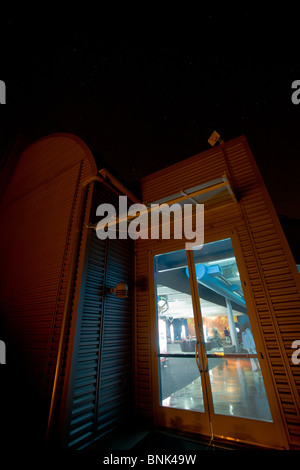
point(245, 214)
point(90, 360)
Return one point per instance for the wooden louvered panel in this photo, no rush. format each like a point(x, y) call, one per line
point(101, 373)
point(162, 184)
point(44, 160)
point(84, 380)
point(80, 213)
point(269, 333)
point(115, 392)
point(66, 276)
point(274, 268)
point(115, 386)
point(29, 296)
point(39, 209)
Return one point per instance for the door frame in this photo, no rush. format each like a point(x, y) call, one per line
point(213, 425)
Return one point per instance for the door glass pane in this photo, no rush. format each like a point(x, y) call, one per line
point(179, 377)
point(236, 380)
point(237, 388)
point(181, 384)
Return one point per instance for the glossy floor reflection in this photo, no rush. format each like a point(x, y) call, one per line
point(237, 390)
point(187, 398)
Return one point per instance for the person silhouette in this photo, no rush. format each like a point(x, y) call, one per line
point(249, 345)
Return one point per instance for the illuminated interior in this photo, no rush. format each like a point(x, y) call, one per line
point(231, 356)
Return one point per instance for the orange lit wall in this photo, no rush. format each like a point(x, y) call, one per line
point(38, 216)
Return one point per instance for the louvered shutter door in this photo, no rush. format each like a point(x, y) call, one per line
point(86, 356)
point(115, 392)
point(100, 386)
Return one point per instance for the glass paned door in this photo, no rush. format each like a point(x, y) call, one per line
point(179, 363)
point(209, 376)
point(236, 382)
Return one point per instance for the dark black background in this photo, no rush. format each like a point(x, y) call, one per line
point(144, 86)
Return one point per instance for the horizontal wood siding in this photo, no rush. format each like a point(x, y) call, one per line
point(274, 281)
point(39, 211)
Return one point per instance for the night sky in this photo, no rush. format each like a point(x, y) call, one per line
point(145, 87)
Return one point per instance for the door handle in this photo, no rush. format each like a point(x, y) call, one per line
point(206, 363)
point(204, 357)
point(198, 362)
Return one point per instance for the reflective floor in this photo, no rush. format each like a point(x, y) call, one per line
point(187, 398)
point(237, 390)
